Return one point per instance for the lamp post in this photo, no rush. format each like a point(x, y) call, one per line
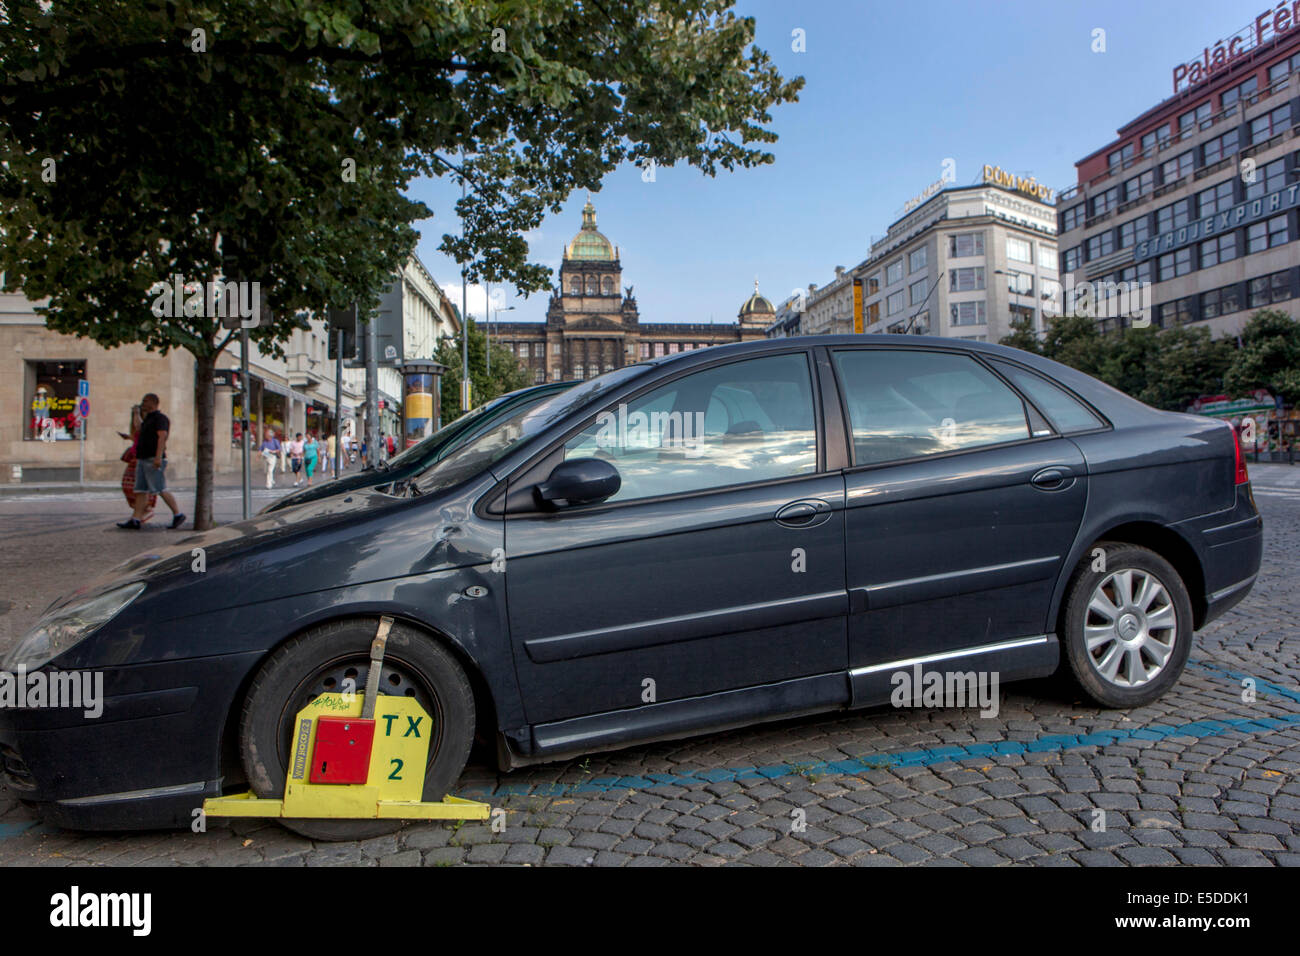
point(496, 317)
point(1017, 293)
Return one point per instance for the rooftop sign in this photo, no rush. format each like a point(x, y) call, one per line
point(1267, 26)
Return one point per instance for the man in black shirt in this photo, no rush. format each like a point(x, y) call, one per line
point(151, 464)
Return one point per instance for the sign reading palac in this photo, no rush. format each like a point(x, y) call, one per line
point(1267, 26)
point(997, 176)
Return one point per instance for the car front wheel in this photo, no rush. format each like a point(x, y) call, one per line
point(335, 658)
point(1127, 625)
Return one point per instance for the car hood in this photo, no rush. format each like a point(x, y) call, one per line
point(180, 552)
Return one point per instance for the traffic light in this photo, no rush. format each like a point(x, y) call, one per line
point(343, 320)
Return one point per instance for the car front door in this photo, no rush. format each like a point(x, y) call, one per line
point(718, 565)
point(961, 507)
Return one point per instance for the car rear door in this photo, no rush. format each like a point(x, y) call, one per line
point(961, 507)
point(718, 565)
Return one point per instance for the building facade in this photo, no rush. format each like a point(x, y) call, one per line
point(40, 434)
point(963, 263)
point(1197, 198)
point(593, 325)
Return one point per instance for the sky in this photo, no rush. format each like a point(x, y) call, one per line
point(892, 90)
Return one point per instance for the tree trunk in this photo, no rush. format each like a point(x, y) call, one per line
point(205, 407)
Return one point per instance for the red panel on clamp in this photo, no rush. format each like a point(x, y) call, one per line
point(342, 751)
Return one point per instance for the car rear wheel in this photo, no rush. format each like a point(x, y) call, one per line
point(1127, 626)
point(324, 660)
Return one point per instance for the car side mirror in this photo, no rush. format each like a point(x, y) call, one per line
point(580, 481)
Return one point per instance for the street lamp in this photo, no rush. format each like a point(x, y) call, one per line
point(497, 312)
point(1017, 293)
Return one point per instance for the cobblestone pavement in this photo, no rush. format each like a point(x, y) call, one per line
point(1199, 777)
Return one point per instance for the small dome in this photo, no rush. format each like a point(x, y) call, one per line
point(757, 304)
point(590, 244)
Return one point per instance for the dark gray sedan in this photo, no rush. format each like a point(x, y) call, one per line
point(708, 540)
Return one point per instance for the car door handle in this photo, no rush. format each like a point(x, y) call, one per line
point(805, 513)
point(1056, 478)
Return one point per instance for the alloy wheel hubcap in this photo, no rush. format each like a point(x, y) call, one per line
point(1130, 627)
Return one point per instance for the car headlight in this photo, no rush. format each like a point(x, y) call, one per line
point(67, 627)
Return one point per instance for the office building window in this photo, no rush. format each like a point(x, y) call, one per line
point(1218, 302)
point(1286, 67)
point(1155, 137)
point(894, 272)
point(1173, 216)
point(1239, 92)
point(1019, 250)
point(1121, 155)
point(1178, 312)
point(645, 350)
point(1102, 244)
point(916, 259)
point(873, 284)
point(1174, 169)
point(1215, 199)
point(1268, 289)
point(1192, 118)
point(966, 244)
point(1222, 145)
point(917, 292)
point(1175, 264)
point(894, 304)
point(1219, 249)
point(968, 313)
point(1140, 185)
point(966, 280)
point(1020, 283)
point(1136, 273)
point(1267, 234)
point(1071, 218)
point(1134, 231)
point(659, 349)
point(1070, 259)
point(1270, 124)
point(1268, 179)
point(1105, 201)
point(555, 348)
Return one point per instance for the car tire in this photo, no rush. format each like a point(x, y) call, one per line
point(311, 663)
point(1126, 630)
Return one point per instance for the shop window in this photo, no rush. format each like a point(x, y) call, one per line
point(51, 390)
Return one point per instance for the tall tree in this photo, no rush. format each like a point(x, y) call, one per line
point(140, 139)
point(1022, 336)
point(1269, 356)
point(1073, 340)
point(506, 374)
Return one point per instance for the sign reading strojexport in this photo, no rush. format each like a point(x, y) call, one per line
point(1281, 20)
point(1242, 214)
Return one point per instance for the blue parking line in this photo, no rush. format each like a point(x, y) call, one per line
point(1056, 743)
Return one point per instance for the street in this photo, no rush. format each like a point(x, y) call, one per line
point(1203, 776)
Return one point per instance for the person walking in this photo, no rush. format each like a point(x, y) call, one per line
point(310, 453)
point(391, 445)
point(128, 473)
point(270, 455)
point(331, 449)
point(151, 465)
point(295, 458)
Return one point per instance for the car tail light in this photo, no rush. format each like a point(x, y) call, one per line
point(1242, 477)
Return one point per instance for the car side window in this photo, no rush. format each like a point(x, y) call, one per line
point(1067, 413)
point(730, 424)
point(907, 404)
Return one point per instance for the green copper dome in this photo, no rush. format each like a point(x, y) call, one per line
point(589, 244)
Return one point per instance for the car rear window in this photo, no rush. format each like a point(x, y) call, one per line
point(1065, 411)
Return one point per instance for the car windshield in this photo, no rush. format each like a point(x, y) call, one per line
point(445, 435)
point(517, 426)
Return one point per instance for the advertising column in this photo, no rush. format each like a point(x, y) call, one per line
point(422, 384)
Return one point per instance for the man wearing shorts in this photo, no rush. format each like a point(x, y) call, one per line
point(151, 465)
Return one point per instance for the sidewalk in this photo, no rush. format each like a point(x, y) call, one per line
point(225, 481)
